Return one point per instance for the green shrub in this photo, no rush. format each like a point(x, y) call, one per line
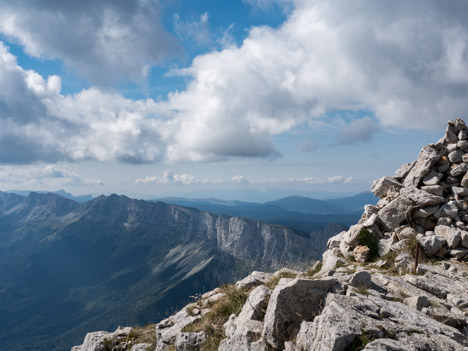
point(366, 238)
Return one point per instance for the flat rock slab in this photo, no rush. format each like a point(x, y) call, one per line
point(431, 244)
point(426, 159)
point(254, 279)
point(403, 171)
point(396, 212)
point(421, 197)
point(451, 235)
point(345, 318)
point(290, 304)
point(450, 209)
point(381, 186)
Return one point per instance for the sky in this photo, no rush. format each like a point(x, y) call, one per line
point(238, 99)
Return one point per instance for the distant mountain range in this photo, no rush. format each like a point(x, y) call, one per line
point(67, 268)
point(342, 205)
point(301, 213)
point(256, 195)
point(79, 198)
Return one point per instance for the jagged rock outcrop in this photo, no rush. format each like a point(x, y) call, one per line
point(103, 341)
point(341, 309)
point(368, 293)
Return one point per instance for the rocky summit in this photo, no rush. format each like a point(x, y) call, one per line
point(396, 280)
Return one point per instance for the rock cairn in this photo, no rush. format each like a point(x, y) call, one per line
point(426, 200)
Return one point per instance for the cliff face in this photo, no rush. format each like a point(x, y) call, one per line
point(116, 260)
point(397, 280)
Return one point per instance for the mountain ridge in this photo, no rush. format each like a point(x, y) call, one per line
point(312, 206)
point(116, 260)
point(78, 198)
point(273, 213)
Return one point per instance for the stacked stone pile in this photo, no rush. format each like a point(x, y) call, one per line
point(425, 200)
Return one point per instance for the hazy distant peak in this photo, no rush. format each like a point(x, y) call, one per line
point(51, 203)
point(35, 199)
point(306, 205)
point(294, 197)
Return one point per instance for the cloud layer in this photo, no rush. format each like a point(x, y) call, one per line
point(359, 130)
point(409, 70)
point(40, 124)
point(406, 62)
point(105, 41)
point(197, 30)
point(169, 177)
point(50, 175)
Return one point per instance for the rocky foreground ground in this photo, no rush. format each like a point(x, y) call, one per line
point(397, 280)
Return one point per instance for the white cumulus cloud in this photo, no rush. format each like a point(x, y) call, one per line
point(240, 179)
point(358, 130)
point(40, 124)
point(198, 30)
point(105, 41)
point(169, 177)
point(406, 62)
point(301, 180)
point(408, 69)
point(50, 175)
point(312, 180)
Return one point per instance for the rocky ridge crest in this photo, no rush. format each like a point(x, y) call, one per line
point(396, 280)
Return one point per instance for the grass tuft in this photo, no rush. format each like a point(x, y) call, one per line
point(271, 284)
point(213, 322)
point(362, 289)
point(410, 247)
point(388, 334)
point(140, 335)
point(339, 264)
point(314, 270)
point(360, 342)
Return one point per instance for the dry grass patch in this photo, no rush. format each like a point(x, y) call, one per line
point(314, 270)
point(145, 335)
point(271, 284)
point(213, 322)
point(191, 308)
point(339, 264)
point(362, 289)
